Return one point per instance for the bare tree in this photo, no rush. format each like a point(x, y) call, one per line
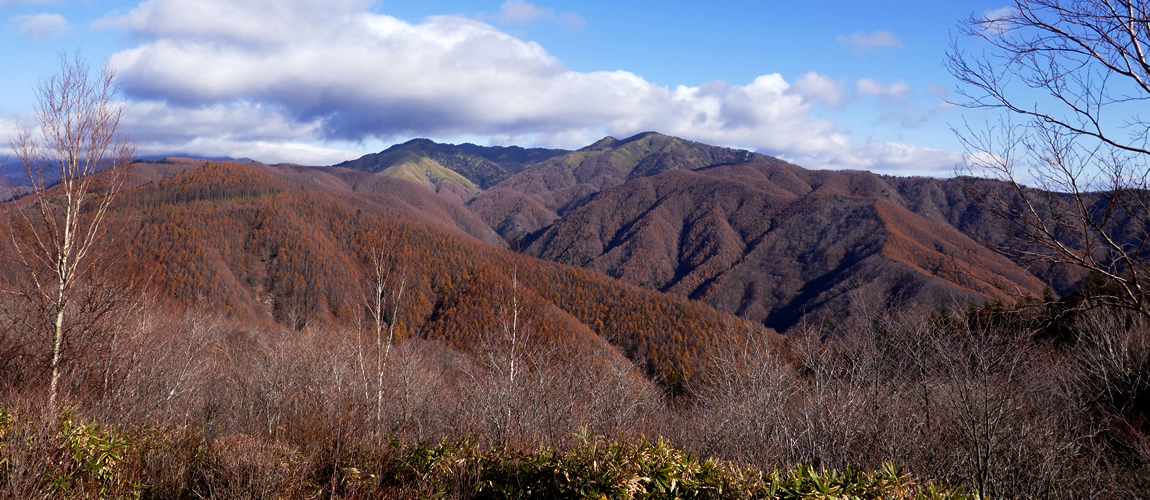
point(76, 163)
point(509, 352)
point(1070, 79)
point(386, 281)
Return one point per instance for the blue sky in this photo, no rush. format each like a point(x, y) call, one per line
point(824, 84)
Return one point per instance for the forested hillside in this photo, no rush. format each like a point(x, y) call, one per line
point(749, 234)
point(485, 166)
point(290, 245)
point(774, 252)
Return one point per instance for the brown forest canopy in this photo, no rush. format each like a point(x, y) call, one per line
point(264, 243)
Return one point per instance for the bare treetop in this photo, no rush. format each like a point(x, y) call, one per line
point(1087, 58)
point(1070, 80)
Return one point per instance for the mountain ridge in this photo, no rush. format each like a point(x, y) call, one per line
point(596, 207)
point(762, 251)
point(482, 165)
point(746, 233)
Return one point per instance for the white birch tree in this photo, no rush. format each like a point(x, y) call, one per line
point(76, 163)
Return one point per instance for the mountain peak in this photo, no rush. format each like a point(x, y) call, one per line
point(644, 135)
point(419, 143)
point(482, 165)
point(611, 142)
point(601, 144)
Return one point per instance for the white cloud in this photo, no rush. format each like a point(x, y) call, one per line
point(860, 42)
point(872, 87)
point(265, 151)
point(240, 129)
point(909, 159)
point(154, 121)
point(263, 22)
point(815, 87)
point(985, 160)
point(523, 12)
point(227, 73)
point(44, 26)
point(7, 128)
point(911, 116)
point(7, 133)
point(563, 139)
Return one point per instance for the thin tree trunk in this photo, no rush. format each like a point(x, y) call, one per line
point(58, 343)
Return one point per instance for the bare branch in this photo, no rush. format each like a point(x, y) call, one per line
point(76, 163)
point(1077, 74)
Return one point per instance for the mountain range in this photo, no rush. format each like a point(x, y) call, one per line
point(746, 233)
point(649, 248)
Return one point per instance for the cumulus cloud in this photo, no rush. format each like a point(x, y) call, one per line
point(239, 129)
point(44, 26)
point(154, 121)
point(821, 88)
point(522, 12)
point(860, 42)
point(268, 73)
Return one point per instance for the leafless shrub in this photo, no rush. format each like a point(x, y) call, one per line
point(743, 401)
point(243, 466)
point(1107, 380)
point(954, 397)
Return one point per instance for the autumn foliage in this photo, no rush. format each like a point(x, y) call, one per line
point(243, 240)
